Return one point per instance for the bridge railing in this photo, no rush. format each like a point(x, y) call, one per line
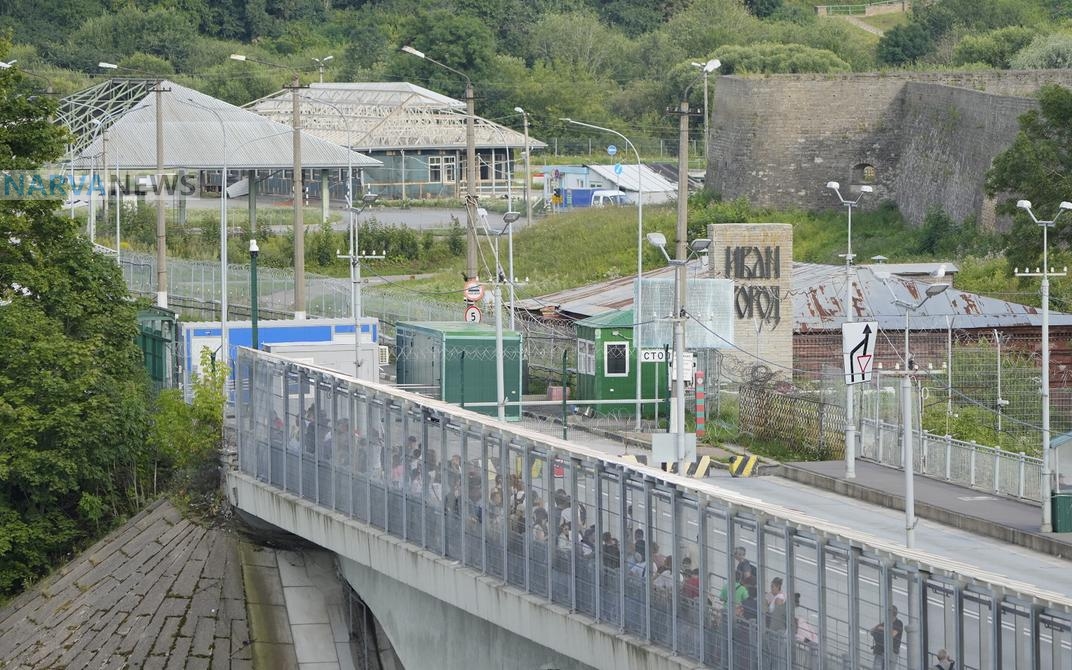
point(989, 469)
point(650, 553)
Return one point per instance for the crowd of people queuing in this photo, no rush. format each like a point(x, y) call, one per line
point(564, 523)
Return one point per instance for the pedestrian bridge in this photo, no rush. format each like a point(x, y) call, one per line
point(480, 544)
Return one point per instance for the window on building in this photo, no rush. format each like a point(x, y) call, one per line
point(586, 357)
point(442, 169)
point(616, 359)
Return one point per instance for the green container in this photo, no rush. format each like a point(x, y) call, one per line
point(455, 361)
point(1061, 512)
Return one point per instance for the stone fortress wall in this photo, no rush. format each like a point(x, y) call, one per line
point(922, 140)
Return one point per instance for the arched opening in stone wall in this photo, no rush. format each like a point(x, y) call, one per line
point(864, 173)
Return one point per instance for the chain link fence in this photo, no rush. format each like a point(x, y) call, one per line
point(982, 386)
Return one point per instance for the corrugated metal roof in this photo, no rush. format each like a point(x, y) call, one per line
point(918, 268)
point(634, 177)
point(818, 296)
point(383, 116)
point(819, 302)
point(618, 318)
point(194, 138)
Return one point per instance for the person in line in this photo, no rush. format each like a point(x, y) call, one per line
point(742, 562)
point(945, 662)
point(878, 641)
point(775, 599)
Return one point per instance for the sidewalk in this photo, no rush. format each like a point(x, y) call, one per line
point(972, 510)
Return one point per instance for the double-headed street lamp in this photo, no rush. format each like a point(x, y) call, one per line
point(850, 316)
point(680, 314)
point(637, 320)
point(500, 376)
point(906, 410)
point(320, 63)
point(299, 186)
point(470, 161)
point(1046, 273)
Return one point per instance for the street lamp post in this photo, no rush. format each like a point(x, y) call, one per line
point(470, 158)
point(320, 63)
point(1046, 273)
point(224, 225)
point(299, 186)
point(706, 131)
point(850, 316)
point(680, 279)
point(637, 319)
point(906, 411)
point(680, 314)
point(161, 220)
point(528, 205)
point(355, 267)
point(500, 375)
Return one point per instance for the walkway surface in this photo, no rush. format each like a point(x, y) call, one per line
point(995, 535)
point(163, 592)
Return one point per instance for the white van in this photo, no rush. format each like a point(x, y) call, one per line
point(608, 198)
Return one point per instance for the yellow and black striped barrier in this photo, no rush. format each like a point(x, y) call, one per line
point(696, 470)
point(743, 466)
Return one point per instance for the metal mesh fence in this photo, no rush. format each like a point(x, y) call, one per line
point(981, 385)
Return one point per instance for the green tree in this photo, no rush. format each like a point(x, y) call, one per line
point(1037, 167)
point(1046, 52)
point(73, 390)
point(763, 8)
point(770, 58)
point(904, 44)
point(995, 48)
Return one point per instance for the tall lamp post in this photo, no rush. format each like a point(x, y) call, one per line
point(706, 131)
point(500, 376)
point(161, 220)
point(224, 225)
point(680, 276)
point(637, 319)
point(355, 268)
point(299, 186)
point(682, 253)
point(1046, 273)
point(470, 161)
point(906, 411)
point(850, 316)
point(528, 197)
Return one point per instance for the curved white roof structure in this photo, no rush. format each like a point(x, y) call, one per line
point(199, 131)
point(384, 116)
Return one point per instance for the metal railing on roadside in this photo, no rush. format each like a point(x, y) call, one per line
point(989, 469)
point(578, 527)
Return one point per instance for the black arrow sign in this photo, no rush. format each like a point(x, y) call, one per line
point(852, 354)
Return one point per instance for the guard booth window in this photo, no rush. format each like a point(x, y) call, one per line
point(616, 355)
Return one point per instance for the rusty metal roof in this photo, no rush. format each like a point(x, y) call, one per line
point(819, 302)
point(818, 295)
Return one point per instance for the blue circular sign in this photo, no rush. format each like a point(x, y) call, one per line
point(611, 150)
point(617, 168)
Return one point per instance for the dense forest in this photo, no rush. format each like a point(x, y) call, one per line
point(619, 61)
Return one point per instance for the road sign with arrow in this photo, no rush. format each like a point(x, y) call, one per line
point(858, 345)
